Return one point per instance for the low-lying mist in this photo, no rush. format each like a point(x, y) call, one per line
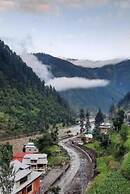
point(60, 83)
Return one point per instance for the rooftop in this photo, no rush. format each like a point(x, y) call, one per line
point(33, 176)
point(17, 165)
point(35, 156)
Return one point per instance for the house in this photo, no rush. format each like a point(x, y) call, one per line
point(87, 138)
point(30, 148)
point(19, 156)
point(104, 128)
point(127, 120)
point(26, 181)
point(37, 162)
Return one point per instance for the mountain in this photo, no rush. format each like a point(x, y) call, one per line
point(93, 64)
point(26, 104)
point(117, 74)
point(125, 102)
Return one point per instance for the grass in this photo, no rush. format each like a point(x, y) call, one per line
point(127, 142)
point(112, 183)
point(56, 156)
point(108, 166)
point(115, 138)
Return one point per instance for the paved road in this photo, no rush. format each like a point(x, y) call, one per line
point(75, 180)
point(67, 178)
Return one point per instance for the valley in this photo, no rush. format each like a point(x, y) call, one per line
point(64, 97)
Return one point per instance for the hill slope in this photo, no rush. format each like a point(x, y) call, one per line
point(125, 102)
point(118, 75)
point(26, 104)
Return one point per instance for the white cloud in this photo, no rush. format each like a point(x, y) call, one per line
point(40, 69)
point(49, 5)
point(93, 64)
point(124, 4)
point(65, 83)
point(60, 83)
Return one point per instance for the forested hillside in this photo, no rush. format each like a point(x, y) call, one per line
point(117, 74)
point(26, 104)
point(125, 102)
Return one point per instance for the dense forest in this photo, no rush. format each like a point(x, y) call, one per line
point(125, 102)
point(26, 104)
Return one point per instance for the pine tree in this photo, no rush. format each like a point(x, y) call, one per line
point(6, 171)
point(99, 118)
point(118, 120)
point(82, 117)
point(87, 125)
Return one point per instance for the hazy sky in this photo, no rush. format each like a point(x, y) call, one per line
point(88, 29)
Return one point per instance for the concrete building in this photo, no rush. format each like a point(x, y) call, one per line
point(104, 128)
point(26, 181)
point(37, 162)
point(30, 148)
point(19, 155)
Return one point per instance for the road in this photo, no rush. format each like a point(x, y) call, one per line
point(80, 172)
point(67, 178)
point(75, 180)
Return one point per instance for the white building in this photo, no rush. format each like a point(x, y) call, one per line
point(36, 161)
point(105, 127)
point(30, 148)
point(26, 181)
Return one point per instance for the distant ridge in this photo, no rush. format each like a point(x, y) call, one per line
point(93, 64)
point(118, 76)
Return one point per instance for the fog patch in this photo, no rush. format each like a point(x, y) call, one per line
point(39, 68)
point(65, 83)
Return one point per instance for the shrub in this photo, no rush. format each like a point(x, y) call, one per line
point(125, 167)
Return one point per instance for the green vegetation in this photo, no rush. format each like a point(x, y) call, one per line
point(99, 118)
point(113, 163)
point(114, 183)
point(6, 174)
point(125, 167)
point(57, 156)
point(55, 190)
point(26, 104)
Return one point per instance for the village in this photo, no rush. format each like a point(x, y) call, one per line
point(32, 172)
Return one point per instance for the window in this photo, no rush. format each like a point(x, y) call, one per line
point(40, 165)
point(23, 180)
point(33, 161)
point(29, 188)
point(33, 166)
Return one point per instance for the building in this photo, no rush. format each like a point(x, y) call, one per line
point(104, 128)
point(19, 156)
point(30, 148)
point(87, 138)
point(127, 119)
point(37, 162)
point(26, 181)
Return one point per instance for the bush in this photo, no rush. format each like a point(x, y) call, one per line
point(125, 167)
point(114, 183)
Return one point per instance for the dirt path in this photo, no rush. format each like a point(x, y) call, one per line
point(19, 142)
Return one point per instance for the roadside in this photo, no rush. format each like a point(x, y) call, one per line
point(19, 141)
point(112, 164)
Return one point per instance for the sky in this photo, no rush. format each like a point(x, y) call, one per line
point(84, 29)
